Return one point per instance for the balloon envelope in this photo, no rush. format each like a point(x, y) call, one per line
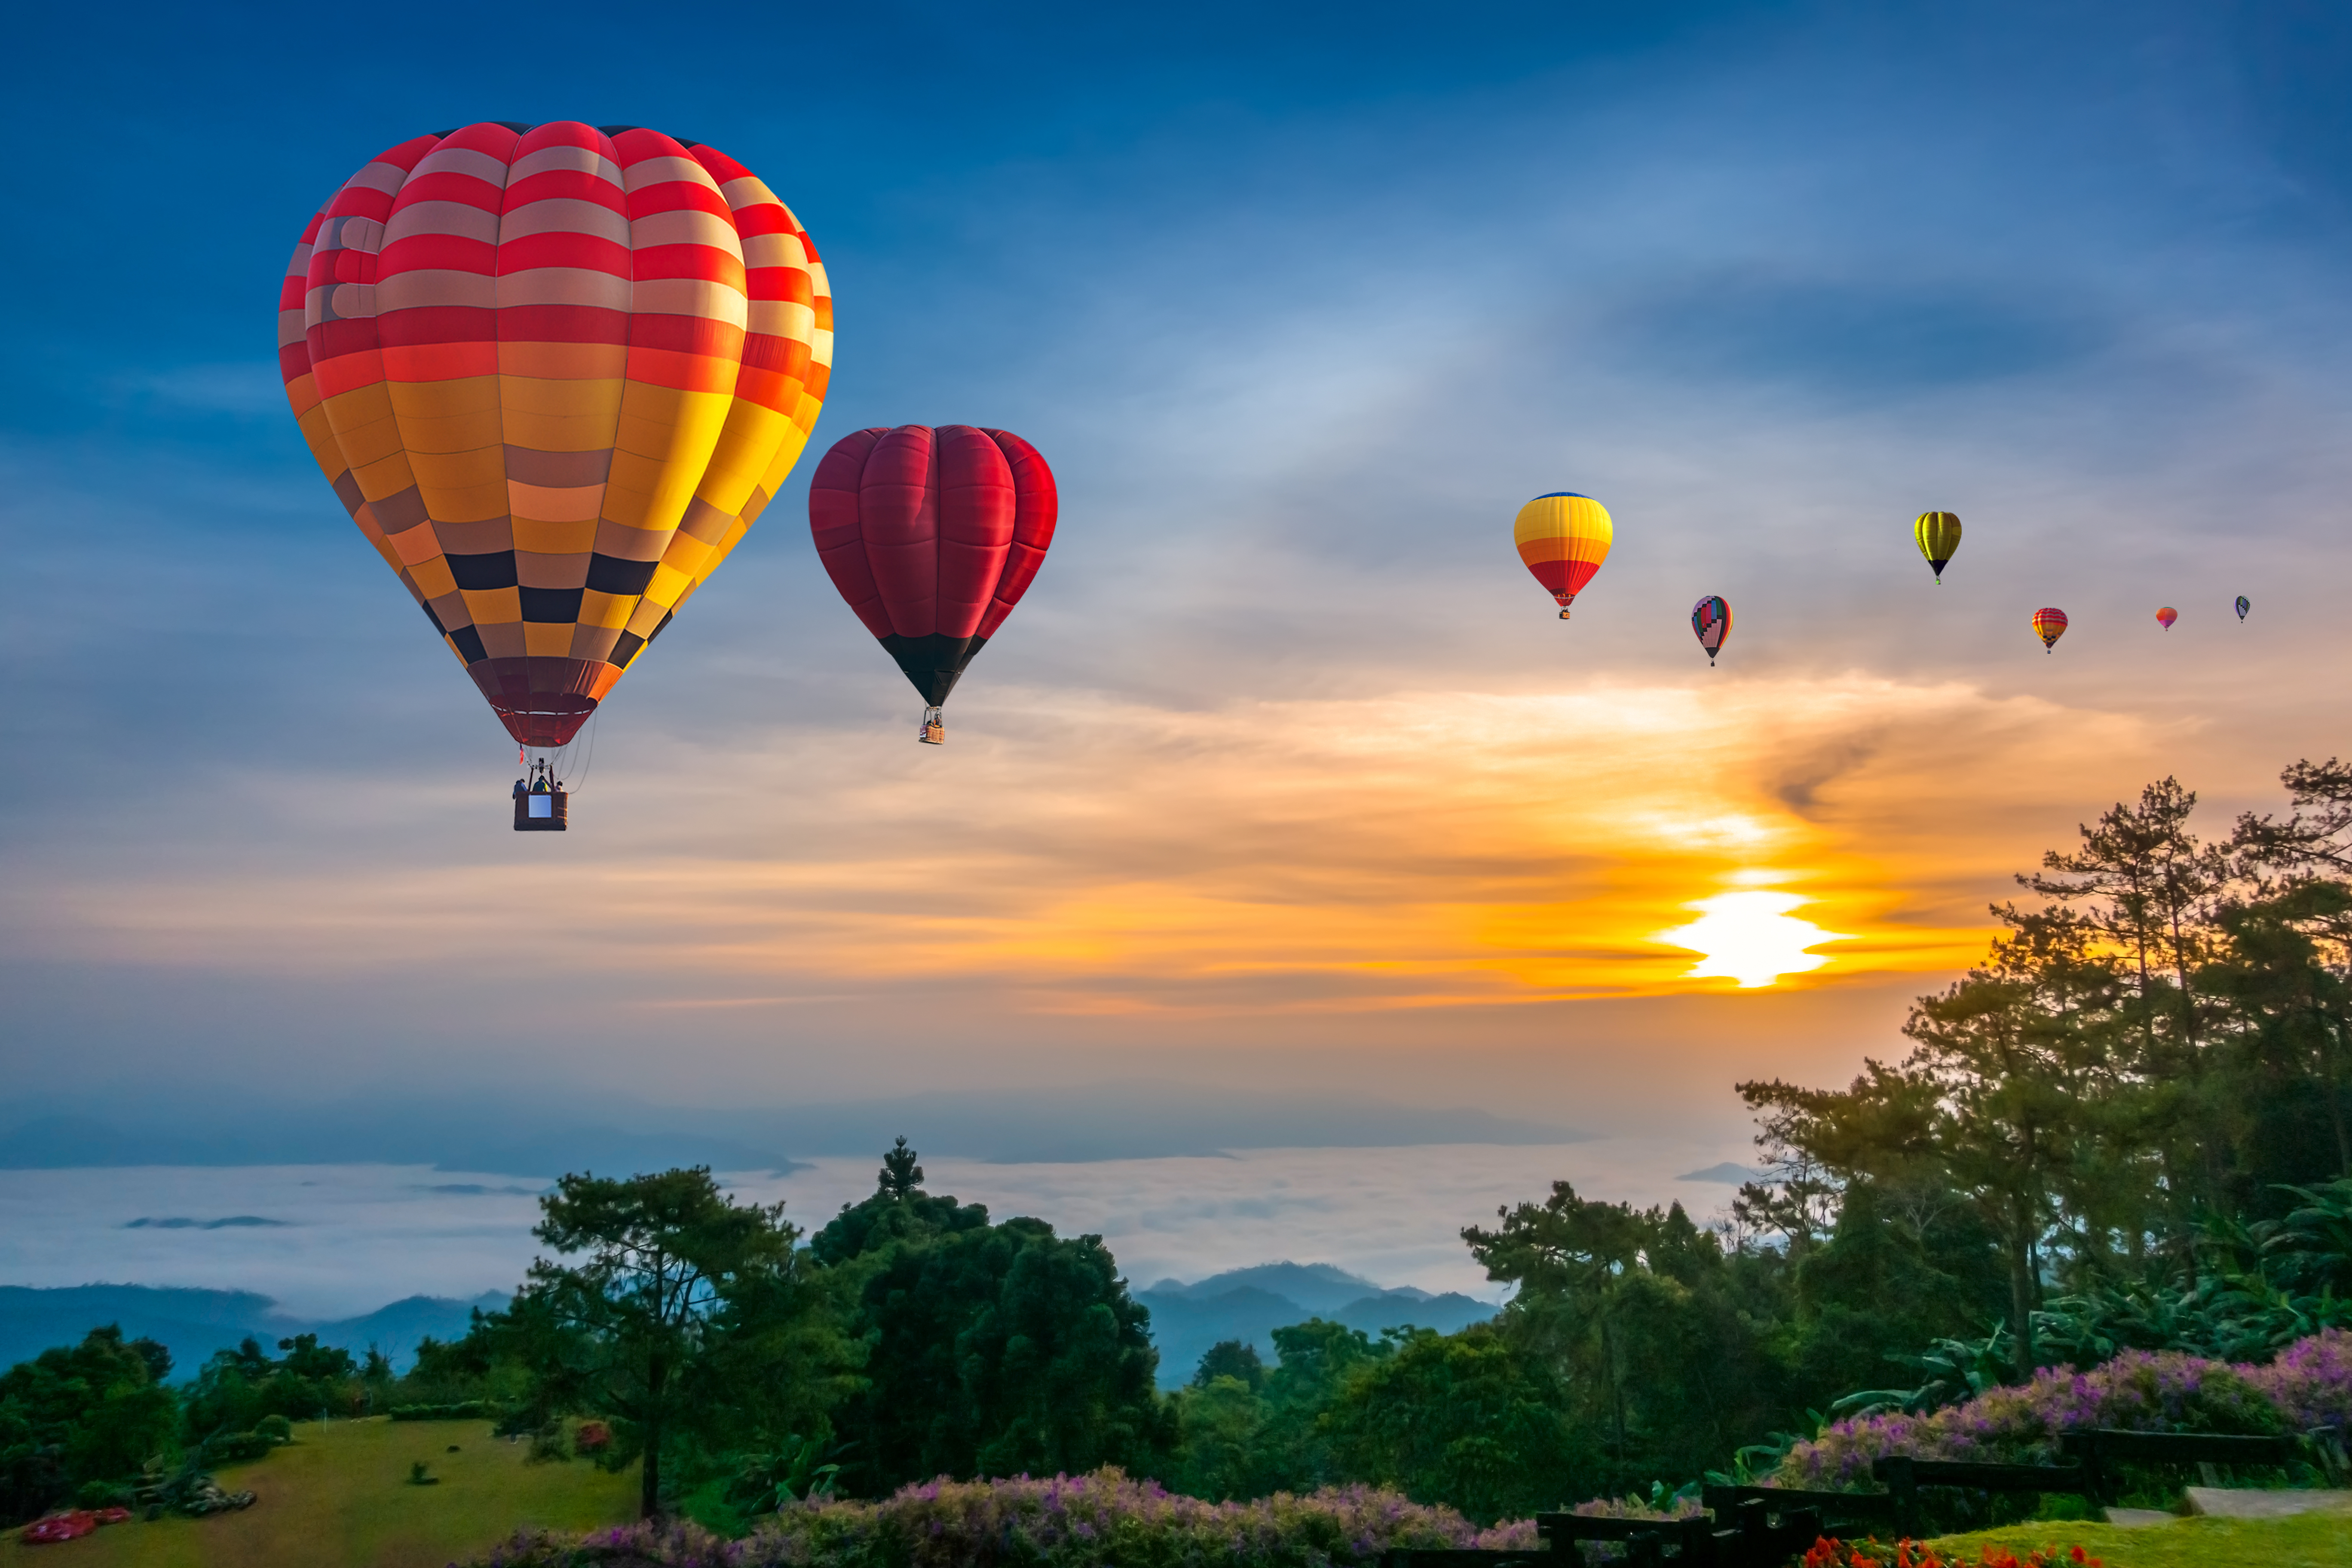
point(932, 536)
point(2244, 606)
point(2049, 625)
point(553, 373)
point(2166, 617)
point(1939, 534)
point(1711, 619)
point(1563, 538)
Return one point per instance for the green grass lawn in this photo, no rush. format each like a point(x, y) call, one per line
point(339, 1498)
point(2307, 1541)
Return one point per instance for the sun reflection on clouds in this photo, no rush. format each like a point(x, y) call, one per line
point(1429, 849)
point(1751, 937)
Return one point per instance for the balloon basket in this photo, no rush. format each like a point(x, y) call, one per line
point(1563, 615)
point(934, 731)
point(541, 804)
point(547, 813)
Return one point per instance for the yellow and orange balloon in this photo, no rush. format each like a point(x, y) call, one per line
point(555, 372)
point(1563, 538)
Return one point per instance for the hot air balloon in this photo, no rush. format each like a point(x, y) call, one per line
point(553, 373)
point(2049, 625)
point(1938, 533)
point(1563, 537)
point(932, 536)
point(2166, 617)
point(2244, 606)
point(1711, 619)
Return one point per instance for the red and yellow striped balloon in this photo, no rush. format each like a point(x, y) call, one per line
point(2049, 625)
point(1563, 538)
point(555, 372)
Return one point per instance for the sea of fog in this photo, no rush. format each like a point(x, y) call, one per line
point(335, 1241)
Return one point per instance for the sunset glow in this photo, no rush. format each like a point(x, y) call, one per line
point(1751, 938)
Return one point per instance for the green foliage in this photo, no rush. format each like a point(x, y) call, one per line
point(92, 1412)
point(1237, 1359)
point(1476, 1420)
point(237, 1388)
point(693, 1323)
point(993, 1349)
point(1661, 1345)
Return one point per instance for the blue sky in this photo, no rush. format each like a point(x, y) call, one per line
point(1301, 302)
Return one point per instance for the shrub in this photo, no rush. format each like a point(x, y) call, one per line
point(594, 1438)
point(463, 1410)
point(2309, 1383)
point(232, 1447)
point(276, 1428)
point(1068, 1521)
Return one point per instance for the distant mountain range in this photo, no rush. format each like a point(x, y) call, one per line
point(1249, 1304)
point(1186, 1320)
point(193, 1325)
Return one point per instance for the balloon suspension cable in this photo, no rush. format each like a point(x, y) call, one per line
point(934, 731)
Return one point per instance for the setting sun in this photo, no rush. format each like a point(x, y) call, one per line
point(1750, 937)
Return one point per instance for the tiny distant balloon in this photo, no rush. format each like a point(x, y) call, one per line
point(2049, 625)
point(1711, 620)
point(2244, 605)
point(1563, 537)
point(1938, 533)
point(2166, 617)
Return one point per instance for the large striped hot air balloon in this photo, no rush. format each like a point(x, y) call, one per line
point(1938, 533)
point(555, 372)
point(1563, 538)
point(932, 536)
point(2049, 625)
point(1711, 620)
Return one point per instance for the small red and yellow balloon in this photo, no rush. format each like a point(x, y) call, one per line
point(2049, 624)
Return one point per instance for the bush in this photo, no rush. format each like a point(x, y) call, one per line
point(464, 1410)
point(2309, 1383)
point(1068, 1521)
point(103, 1494)
point(233, 1447)
point(275, 1428)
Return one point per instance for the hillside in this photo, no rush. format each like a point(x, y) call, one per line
point(1249, 1304)
point(339, 1498)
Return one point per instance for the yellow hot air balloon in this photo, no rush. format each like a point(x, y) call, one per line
point(1563, 537)
point(1938, 533)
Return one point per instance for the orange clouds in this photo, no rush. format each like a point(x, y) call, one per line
point(1074, 857)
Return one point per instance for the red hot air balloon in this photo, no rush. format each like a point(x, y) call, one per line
point(932, 536)
point(2166, 617)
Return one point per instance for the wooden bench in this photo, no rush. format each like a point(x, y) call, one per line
point(1903, 1476)
point(1741, 1532)
point(1647, 1541)
point(2100, 1452)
